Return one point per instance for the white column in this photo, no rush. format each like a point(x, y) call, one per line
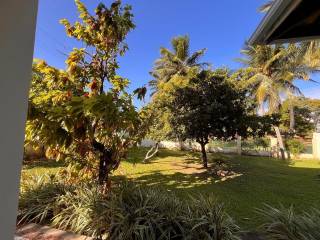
point(316, 145)
point(239, 147)
point(274, 147)
point(17, 30)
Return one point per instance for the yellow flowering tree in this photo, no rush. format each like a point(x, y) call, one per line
point(84, 113)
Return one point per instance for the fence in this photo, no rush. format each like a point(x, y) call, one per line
point(266, 147)
point(231, 147)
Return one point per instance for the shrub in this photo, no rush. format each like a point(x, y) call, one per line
point(286, 224)
point(262, 142)
point(128, 212)
point(37, 202)
point(208, 220)
point(144, 213)
point(294, 146)
point(256, 143)
point(83, 211)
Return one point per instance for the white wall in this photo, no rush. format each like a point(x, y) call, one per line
point(316, 145)
point(17, 30)
point(191, 145)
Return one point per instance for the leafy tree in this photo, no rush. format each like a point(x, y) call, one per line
point(160, 126)
point(210, 107)
point(314, 106)
point(303, 117)
point(310, 110)
point(84, 113)
point(307, 54)
point(171, 71)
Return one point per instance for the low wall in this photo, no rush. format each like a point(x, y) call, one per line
point(305, 156)
point(194, 146)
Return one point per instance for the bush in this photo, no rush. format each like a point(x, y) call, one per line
point(83, 211)
point(294, 146)
point(38, 198)
point(144, 213)
point(286, 224)
point(262, 142)
point(127, 213)
point(256, 143)
point(208, 220)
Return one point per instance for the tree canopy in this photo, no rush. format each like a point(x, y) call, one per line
point(211, 107)
point(172, 70)
point(84, 113)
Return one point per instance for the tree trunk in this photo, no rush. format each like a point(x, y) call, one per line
point(292, 120)
point(181, 145)
point(204, 155)
point(104, 169)
point(280, 142)
point(105, 165)
point(149, 154)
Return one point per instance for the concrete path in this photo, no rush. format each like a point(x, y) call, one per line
point(37, 232)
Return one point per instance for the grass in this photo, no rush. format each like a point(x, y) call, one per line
point(41, 167)
point(259, 180)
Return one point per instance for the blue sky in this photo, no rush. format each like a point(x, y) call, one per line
point(220, 26)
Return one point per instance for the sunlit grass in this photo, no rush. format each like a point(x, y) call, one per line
point(260, 180)
point(307, 163)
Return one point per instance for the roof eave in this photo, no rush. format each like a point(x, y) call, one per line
point(275, 16)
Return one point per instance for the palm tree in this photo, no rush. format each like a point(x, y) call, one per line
point(309, 50)
point(273, 69)
point(173, 63)
point(178, 61)
point(308, 54)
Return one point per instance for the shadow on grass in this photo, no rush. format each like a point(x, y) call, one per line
point(43, 163)
point(137, 155)
point(263, 180)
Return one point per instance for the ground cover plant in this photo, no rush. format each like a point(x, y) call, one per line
point(296, 182)
point(288, 223)
point(128, 212)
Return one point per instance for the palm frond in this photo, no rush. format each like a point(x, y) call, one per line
point(195, 57)
point(266, 7)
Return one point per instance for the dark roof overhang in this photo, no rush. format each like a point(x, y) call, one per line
point(289, 21)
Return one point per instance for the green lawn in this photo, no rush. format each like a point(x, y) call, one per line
point(260, 180)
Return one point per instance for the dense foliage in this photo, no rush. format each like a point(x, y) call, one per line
point(295, 146)
point(286, 223)
point(129, 213)
point(302, 117)
point(210, 107)
point(84, 113)
point(270, 74)
point(171, 71)
point(145, 213)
